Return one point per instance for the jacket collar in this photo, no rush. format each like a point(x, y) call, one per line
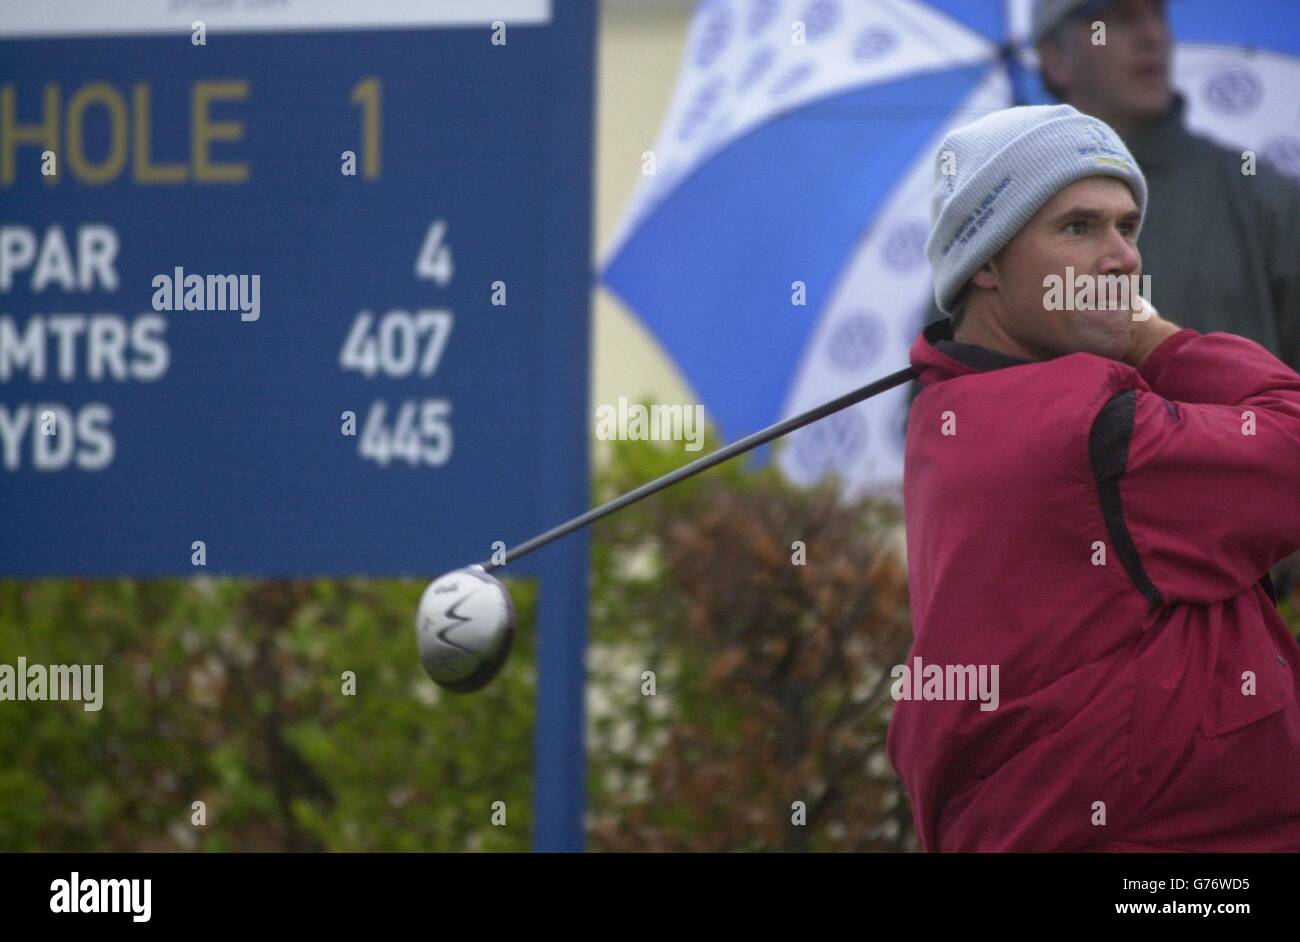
point(936, 356)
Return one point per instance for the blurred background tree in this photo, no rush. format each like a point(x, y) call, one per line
point(770, 617)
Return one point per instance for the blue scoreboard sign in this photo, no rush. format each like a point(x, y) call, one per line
point(296, 289)
point(311, 293)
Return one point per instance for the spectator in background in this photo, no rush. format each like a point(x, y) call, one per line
point(1222, 247)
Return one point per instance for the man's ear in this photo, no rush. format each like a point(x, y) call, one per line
point(985, 277)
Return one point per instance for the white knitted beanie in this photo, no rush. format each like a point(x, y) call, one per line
point(993, 175)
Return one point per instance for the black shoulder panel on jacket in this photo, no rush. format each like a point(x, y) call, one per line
point(1108, 451)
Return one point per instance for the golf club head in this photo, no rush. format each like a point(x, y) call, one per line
point(465, 627)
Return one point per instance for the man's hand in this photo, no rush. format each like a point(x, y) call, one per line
point(1148, 333)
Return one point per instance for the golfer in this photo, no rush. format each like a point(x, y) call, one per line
point(1093, 500)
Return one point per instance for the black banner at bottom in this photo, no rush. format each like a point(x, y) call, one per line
point(127, 892)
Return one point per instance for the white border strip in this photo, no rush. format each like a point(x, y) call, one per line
point(30, 18)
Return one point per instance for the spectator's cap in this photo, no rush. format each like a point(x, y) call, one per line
point(1048, 14)
point(993, 175)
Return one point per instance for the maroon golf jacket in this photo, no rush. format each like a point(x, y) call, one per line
point(1102, 535)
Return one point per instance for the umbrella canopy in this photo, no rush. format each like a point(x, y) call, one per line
point(775, 243)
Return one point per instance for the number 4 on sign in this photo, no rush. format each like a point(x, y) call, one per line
point(434, 261)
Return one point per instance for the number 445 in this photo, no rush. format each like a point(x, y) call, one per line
point(426, 442)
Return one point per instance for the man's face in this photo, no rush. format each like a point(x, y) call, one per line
point(1126, 81)
point(1090, 226)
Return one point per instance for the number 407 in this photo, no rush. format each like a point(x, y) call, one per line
point(399, 344)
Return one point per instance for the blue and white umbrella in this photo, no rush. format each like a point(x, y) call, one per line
point(795, 163)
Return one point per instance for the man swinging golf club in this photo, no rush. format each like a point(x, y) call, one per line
point(1093, 500)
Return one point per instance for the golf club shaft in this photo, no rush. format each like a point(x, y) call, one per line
point(695, 467)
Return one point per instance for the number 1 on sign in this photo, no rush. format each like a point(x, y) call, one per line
point(367, 94)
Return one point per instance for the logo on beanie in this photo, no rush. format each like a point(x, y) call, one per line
point(975, 221)
point(1102, 142)
point(1111, 162)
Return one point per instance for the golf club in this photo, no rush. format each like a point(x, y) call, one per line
point(465, 622)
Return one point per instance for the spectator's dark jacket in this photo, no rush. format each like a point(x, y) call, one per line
point(1222, 248)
